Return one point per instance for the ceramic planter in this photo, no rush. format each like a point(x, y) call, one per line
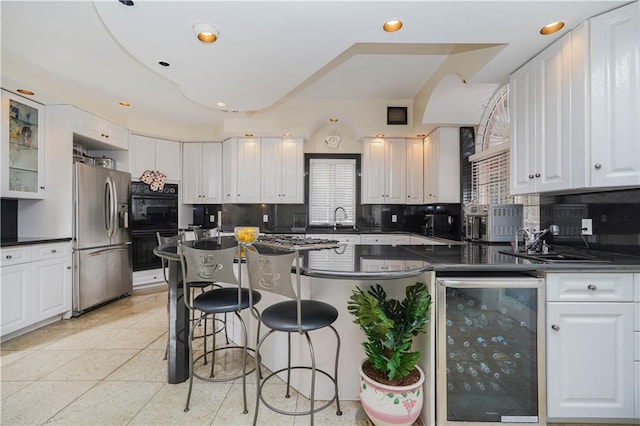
point(391, 405)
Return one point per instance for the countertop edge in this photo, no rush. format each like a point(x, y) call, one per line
point(31, 242)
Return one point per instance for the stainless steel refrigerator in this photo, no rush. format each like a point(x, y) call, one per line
point(102, 238)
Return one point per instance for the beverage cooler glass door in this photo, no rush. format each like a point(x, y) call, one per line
point(491, 350)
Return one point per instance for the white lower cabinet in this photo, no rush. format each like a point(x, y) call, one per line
point(382, 265)
point(36, 285)
point(589, 333)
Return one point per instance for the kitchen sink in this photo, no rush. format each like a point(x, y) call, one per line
point(558, 257)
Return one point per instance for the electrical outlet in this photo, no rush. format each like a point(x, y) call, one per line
point(265, 218)
point(394, 218)
point(587, 227)
point(212, 218)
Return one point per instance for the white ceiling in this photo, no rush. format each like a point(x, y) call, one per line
point(95, 54)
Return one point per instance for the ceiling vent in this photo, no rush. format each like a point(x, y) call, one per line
point(396, 115)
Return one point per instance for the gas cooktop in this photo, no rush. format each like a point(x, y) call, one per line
point(294, 242)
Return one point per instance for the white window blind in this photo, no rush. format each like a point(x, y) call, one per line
point(332, 184)
point(490, 179)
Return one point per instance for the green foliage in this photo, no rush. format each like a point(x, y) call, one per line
point(390, 326)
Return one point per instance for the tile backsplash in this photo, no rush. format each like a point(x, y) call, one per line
point(615, 217)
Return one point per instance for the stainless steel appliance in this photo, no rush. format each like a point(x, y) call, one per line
point(490, 351)
point(102, 239)
point(492, 222)
point(151, 212)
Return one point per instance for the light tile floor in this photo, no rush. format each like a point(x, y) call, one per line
point(106, 367)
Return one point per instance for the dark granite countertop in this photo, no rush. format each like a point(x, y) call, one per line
point(364, 261)
point(31, 241)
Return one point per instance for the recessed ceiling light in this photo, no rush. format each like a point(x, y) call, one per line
point(392, 25)
point(286, 135)
point(249, 135)
point(205, 32)
point(163, 63)
point(380, 135)
point(221, 104)
point(125, 104)
point(421, 135)
point(26, 92)
point(333, 120)
point(552, 28)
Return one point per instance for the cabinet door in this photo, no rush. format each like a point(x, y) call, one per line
point(522, 111)
point(292, 174)
point(212, 173)
point(396, 171)
point(615, 97)
point(248, 180)
point(553, 117)
point(373, 171)
point(430, 168)
point(446, 155)
point(106, 133)
point(167, 155)
point(143, 155)
point(230, 172)
point(192, 176)
point(415, 167)
point(590, 360)
point(22, 158)
point(15, 300)
point(52, 287)
point(271, 169)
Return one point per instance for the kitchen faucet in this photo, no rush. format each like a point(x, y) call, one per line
point(533, 238)
point(335, 216)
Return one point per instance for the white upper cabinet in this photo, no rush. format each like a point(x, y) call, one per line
point(442, 166)
point(384, 175)
point(615, 97)
point(202, 177)
point(241, 177)
point(541, 121)
point(155, 154)
point(23, 147)
point(101, 134)
point(574, 108)
point(282, 169)
point(415, 171)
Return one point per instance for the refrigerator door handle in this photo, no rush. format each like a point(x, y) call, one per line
point(106, 250)
point(110, 206)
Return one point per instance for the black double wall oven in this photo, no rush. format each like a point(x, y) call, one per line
point(151, 212)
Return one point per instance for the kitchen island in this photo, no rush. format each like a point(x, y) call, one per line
point(331, 274)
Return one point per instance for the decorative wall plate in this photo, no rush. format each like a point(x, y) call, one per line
point(333, 140)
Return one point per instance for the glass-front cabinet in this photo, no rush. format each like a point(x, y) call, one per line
point(22, 147)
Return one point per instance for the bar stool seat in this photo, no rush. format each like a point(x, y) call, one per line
point(223, 300)
point(283, 316)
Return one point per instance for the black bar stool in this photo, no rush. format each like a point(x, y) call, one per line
point(272, 272)
point(216, 266)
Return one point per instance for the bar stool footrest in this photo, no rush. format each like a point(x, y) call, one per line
point(226, 379)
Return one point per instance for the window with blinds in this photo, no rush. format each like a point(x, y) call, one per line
point(332, 184)
point(490, 177)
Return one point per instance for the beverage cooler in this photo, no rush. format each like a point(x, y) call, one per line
point(490, 356)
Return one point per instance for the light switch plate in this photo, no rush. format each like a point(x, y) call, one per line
point(394, 218)
point(212, 218)
point(587, 227)
point(265, 218)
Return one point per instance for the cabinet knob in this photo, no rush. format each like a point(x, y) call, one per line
point(592, 287)
point(530, 176)
point(8, 256)
point(598, 166)
point(42, 187)
point(54, 251)
point(555, 327)
point(537, 175)
point(68, 267)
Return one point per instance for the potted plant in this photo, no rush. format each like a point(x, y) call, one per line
point(390, 380)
